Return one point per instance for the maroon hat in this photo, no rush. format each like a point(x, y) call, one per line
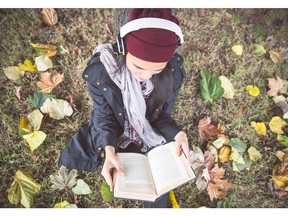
point(152, 44)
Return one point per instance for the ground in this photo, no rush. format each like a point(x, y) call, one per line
point(209, 35)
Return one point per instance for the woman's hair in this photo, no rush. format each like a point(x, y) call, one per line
point(164, 85)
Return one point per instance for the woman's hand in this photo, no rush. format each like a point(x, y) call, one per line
point(182, 144)
point(111, 162)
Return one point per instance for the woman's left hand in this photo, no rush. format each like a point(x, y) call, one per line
point(181, 142)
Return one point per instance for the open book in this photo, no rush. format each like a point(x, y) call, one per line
point(149, 177)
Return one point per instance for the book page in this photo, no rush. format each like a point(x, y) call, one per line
point(168, 170)
point(138, 178)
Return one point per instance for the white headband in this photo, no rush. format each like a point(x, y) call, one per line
point(141, 23)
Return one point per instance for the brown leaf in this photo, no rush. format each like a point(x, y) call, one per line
point(48, 81)
point(209, 160)
point(217, 185)
point(49, 16)
point(275, 86)
point(280, 176)
point(70, 99)
point(275, 190)
point(207, 131)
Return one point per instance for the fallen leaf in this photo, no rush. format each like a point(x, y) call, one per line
point(206, 130)
point(35, 119)
point(43, 63)
point(281, 102)
point(260, 50)
point(253, 90)
point(49, 16)
point(260, 128)
point(35, 139)
point(276, 124)
point(284, 89)
point(28, 66)
point(39, 98)
point(61, 204)
point(240, 167)
point(280, 155)
point(23, 189)
point(13, 73)
point(17, 92)
point(45, 49)
point(64, 178)
point(229, 90)
point(81, 188)
point(283, 139)
point(224, 154)
point(197, 159)
point(56, 108)
point(280, 175)
point(217, 185)
point(275, 86)
point(275, 190)
point(220, 141)
point(210, 86)
point(48, 81)
point(275, 57)
point(254, 154)
point(237, 50)
point(209, 160)
point(107, 195)
point(201, 12)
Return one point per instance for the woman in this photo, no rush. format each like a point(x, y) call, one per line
point(133, 94)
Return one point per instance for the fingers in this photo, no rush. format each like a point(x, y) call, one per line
point(119, 168)
point(183, 146)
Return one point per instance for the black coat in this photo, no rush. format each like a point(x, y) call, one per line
point(83, 152)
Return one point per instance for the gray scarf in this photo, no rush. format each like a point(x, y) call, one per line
point(132, 96)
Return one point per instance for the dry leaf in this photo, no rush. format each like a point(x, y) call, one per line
point(254, 154)
point(280, 175)
point(226, 84)
point(17, 92)
point(275, 57)
point(275, 86)
point(201, 12)
point(276, 124)
point(237, 50)
point(13, 73)
point(206, 130)
point(48, 81)
point(43, 63)
point(49, 16)
point(45, 49)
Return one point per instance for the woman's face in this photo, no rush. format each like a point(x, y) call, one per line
point(143, 70)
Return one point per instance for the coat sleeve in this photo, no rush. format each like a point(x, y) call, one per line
point(164, 123)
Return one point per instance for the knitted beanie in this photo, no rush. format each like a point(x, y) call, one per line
point(152, 44)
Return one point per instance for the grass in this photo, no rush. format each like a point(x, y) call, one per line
point(208, 42)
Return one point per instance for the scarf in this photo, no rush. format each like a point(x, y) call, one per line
point(132, 95)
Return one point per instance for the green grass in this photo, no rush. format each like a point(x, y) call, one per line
point(208, 42)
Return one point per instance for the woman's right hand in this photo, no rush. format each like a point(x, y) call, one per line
point(111, 162)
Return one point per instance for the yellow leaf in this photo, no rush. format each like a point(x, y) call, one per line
point(253, 90)
point(276, 124)
point(275, 57)
point(61, 204)
point(259, 127)
point(35, 139)
point(27, 66)
point(280, 155)
point(56, 108)
point(45, 49)
point(224, 154)
point(35, 119)
point(229, 90)
point(23, 189)
point(254, 154)
point(237, 49)
point(13, 73)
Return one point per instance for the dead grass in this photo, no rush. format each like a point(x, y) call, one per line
point(208, 41)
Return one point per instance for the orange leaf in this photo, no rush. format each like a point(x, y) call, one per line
point(214, 192)
point(48, 81)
